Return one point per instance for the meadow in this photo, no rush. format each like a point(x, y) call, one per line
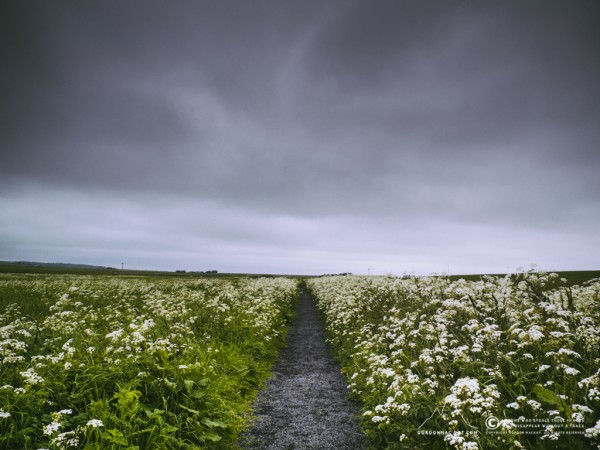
point(496, 362)
point(117, 362)
point(125, 361)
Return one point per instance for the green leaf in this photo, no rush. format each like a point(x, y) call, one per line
point(193, 411)
point(170, 384)
point(115, 436)
point(189, 385)
point(243, 370)
point(153, 414)
point(213, 423)
point(168, 429)
point(197, 393)
point(203, 382)
point(547, 396)
point(210, 436)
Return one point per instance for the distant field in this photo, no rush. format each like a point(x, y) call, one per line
point(572, 277)
point(9, 267)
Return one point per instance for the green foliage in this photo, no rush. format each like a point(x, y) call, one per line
point(135, 363)
point(434, 361)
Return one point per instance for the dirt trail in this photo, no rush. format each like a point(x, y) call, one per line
point(305, 404)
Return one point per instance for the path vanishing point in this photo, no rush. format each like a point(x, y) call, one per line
point(305, 403)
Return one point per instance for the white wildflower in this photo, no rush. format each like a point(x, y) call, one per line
point(534, 405)
point(593, 431)
point(115, 335)
point(455, 438)
point(377, 419)
point(507, 424)
point(51, 428)
point(594, 394)
point(466, 384)
point(470, 445)
point(550, 433)
point(31, 377)
point(94, 423)
point(582, 409)
point(571, 371)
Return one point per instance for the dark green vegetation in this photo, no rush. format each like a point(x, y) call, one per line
point(84, 269)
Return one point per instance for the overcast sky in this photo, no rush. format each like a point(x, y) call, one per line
point(301, 136)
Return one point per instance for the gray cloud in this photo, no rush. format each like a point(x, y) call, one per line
point(304, 129)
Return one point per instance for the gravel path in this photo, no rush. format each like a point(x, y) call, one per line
point(305, 404)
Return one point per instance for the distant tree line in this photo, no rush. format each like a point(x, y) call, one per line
point(197, 271)
point(343, 274)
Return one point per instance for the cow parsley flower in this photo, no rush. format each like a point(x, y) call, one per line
point(455, 438)
point(534, 405)
point(593, 431)
point(571, 371)
point(51, 428)
point(594, 394)
point(94, 423)
point(470, 445)
point(377, 419)
point(31, 377)
point(550, 433)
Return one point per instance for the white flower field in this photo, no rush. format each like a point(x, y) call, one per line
point(134, 363)
point(504, 363)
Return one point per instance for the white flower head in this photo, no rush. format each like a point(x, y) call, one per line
point(94, 423)
point(51, 428)
point(534, 404)
point(31, 377)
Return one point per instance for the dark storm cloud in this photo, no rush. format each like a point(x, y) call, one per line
point(257, 121)
point(86, 82)
point(462, 80)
